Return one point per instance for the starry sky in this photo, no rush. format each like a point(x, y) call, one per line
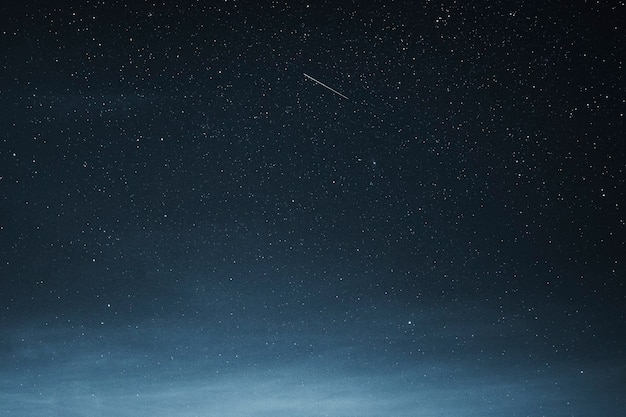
point(190, 226)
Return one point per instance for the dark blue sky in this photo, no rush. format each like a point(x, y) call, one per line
point(191, 226)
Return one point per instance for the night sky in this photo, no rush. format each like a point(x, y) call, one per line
point(191, 226)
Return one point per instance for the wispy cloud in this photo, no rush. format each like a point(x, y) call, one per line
point(159, 372)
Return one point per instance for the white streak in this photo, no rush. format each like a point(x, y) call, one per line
point(324, 85)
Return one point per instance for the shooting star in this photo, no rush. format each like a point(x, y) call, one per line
point(325, 86)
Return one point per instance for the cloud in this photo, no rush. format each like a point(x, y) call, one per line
point(177, 368)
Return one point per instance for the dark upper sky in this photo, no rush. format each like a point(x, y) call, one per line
point(189, 226)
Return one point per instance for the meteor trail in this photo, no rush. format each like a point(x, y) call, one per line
point(324, 85)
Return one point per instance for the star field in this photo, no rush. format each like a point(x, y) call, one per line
point(190, 226)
